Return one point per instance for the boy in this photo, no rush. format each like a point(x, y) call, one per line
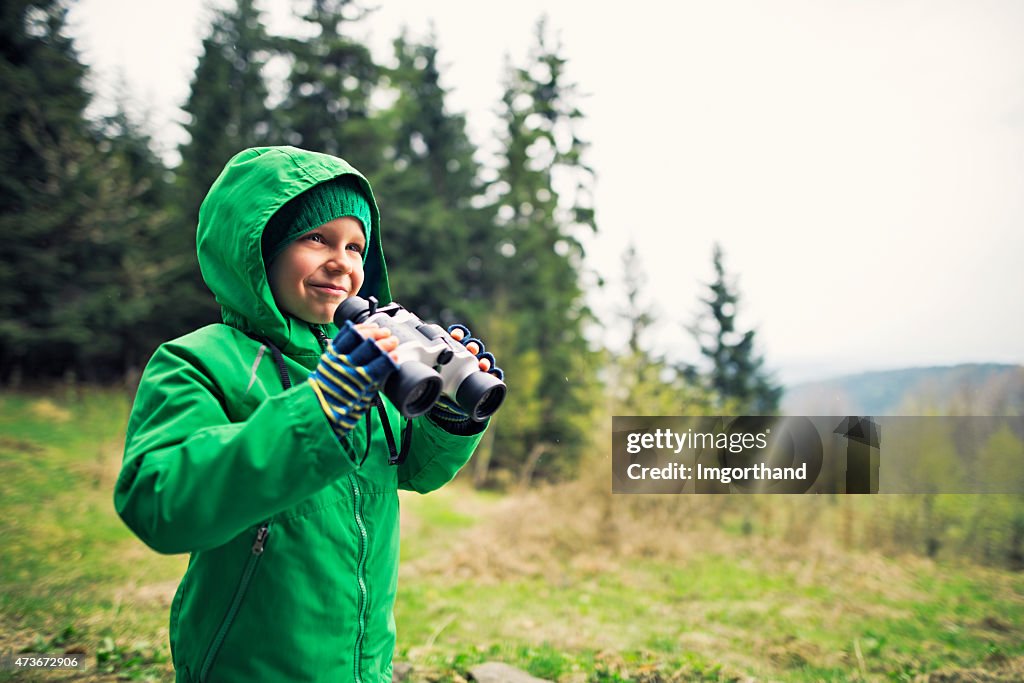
point(283, 495)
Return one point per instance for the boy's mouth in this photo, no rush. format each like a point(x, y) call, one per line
point(329, 288)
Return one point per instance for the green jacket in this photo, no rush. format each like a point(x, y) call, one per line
point(293, 543)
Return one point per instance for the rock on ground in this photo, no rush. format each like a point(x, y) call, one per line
point(496, 672)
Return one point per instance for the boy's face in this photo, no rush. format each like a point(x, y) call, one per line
point(319, 270)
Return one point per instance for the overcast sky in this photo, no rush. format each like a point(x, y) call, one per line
point(861, 163)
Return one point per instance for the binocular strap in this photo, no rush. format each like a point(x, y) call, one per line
point(396, 457)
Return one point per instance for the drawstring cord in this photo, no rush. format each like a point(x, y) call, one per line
point(282, 370)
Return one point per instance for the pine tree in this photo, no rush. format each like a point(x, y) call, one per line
point(434, 232)
point(638, 316)
point(227, 105)
point(134, 208)
point(643, 382)
point(82, 202)
point(227, 113)
point(538, 257)
point(737, 374)
point(327, 104)
point(42, 135)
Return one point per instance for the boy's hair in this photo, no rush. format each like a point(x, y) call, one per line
point(318, 205)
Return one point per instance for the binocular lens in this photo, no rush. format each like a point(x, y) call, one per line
point(414, 390)
point(420, 399)
point(354, 308)
point(490, 403)
point(480, 395)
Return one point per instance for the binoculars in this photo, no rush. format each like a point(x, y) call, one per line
point(430, 362)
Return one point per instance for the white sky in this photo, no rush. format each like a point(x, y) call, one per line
point(861, 163)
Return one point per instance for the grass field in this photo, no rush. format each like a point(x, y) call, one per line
point(567, 583)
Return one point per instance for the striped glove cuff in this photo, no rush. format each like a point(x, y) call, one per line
point(348, 376)
point(449, 417)
point(445, 412)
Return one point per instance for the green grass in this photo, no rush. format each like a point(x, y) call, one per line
point(733, 606)
point(774, 613)
point(71, 572)
point(709, 617)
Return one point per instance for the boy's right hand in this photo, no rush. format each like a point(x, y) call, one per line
point(351, 370)
point(382, 335)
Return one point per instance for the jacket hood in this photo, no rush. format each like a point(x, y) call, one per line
point(254, 184)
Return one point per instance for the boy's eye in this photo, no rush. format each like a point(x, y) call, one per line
point(356, 247)
point(316, 237)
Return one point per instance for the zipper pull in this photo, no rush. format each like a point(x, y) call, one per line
point(261, 539)
point(320, 336)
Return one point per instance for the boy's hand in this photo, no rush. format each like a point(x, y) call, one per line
point(351, 370)
point(386, 341)
point(474, 346)
point(446, 412)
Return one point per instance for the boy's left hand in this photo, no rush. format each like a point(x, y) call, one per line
point(476, 347)
point(445, 412)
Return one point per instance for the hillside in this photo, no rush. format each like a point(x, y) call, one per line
point(969, 389)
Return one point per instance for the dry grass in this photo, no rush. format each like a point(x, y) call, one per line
point(828, 603)
point(568, 581)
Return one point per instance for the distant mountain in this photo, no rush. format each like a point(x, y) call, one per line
point(970, 389)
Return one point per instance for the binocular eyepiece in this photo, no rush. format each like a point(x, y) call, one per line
point(430, 362)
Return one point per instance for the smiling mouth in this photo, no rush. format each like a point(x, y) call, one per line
point(330, 289)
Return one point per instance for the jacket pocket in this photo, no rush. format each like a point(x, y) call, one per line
point(258, 547)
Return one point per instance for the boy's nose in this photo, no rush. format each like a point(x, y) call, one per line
point(338, 263)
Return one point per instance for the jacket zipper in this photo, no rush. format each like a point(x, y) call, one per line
point(258, 546)
point(321, 336)
point(361, 559)
point(360, 568)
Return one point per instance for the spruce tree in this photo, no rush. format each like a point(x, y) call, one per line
point(226, 107)
point(643, 382)
point(638, 315)
point(43, 137)
point(737, 374)
point(637, 371)
point(227, 113)
point(538, 257)
point(136, 197)
point(327, 104)
point(434, 233)
point(82, 204)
